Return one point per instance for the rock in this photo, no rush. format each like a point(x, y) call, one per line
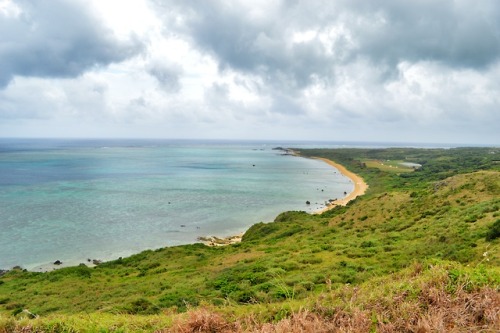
point(58, 262)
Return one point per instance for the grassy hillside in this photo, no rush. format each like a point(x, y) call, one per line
point(420, 239)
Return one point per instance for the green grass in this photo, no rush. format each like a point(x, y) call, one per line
point(388, 166)
point(445, 214)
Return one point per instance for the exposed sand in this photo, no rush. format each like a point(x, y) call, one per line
point(360, 186)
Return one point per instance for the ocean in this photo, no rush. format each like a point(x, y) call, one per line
point(74, 200)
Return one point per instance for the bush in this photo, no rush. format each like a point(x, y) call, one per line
point(259, 231)
point(142, 306)
point(494, 231)
point(180, 299)
point(244, 296)
point(369, 243)
point(292, 231)
point(80, 271)
point(291, 216)
point(307, 285)
point(226, 285)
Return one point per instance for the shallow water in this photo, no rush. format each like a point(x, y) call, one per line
point(73, 200)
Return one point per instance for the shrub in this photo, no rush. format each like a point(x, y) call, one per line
point(493, 231)
point(181, 299)
point(290, 232)
point(142, 306)
point(244, 296)
point(226, 285)
point(471, 218)
point(259, 231)
point(311, 260)
point(307, 285)
point(80, 271)
point(367, 244)
point(291, 216)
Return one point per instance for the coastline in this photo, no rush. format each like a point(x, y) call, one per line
point(360, 187)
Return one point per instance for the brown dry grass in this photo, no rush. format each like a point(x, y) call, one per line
point(203, 320)
point(435, 310)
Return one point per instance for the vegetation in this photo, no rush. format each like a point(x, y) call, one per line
point(419, 251)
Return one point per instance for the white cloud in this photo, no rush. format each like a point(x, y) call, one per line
point(342, 70)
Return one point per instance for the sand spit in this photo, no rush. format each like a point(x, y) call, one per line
point(360, 188)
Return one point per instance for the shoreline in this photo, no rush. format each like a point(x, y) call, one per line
point(360, 187)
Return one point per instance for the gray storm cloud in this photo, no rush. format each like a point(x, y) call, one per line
point(57, 39)
point(384, 70)
point(166, 75)
point(460, 34)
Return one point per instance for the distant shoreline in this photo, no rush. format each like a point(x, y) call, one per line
point(360, 188)
point(360, 185)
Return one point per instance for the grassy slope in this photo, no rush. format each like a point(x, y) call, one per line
point(438, 216)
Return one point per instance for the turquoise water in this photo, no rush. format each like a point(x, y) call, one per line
point(73, 200)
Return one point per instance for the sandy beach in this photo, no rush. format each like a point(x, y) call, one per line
point(360, 186)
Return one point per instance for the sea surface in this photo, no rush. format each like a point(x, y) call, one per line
point(74, 200)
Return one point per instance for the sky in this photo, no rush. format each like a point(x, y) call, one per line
point(336, 70)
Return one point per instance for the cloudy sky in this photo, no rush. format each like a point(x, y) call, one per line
point(349, 70)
